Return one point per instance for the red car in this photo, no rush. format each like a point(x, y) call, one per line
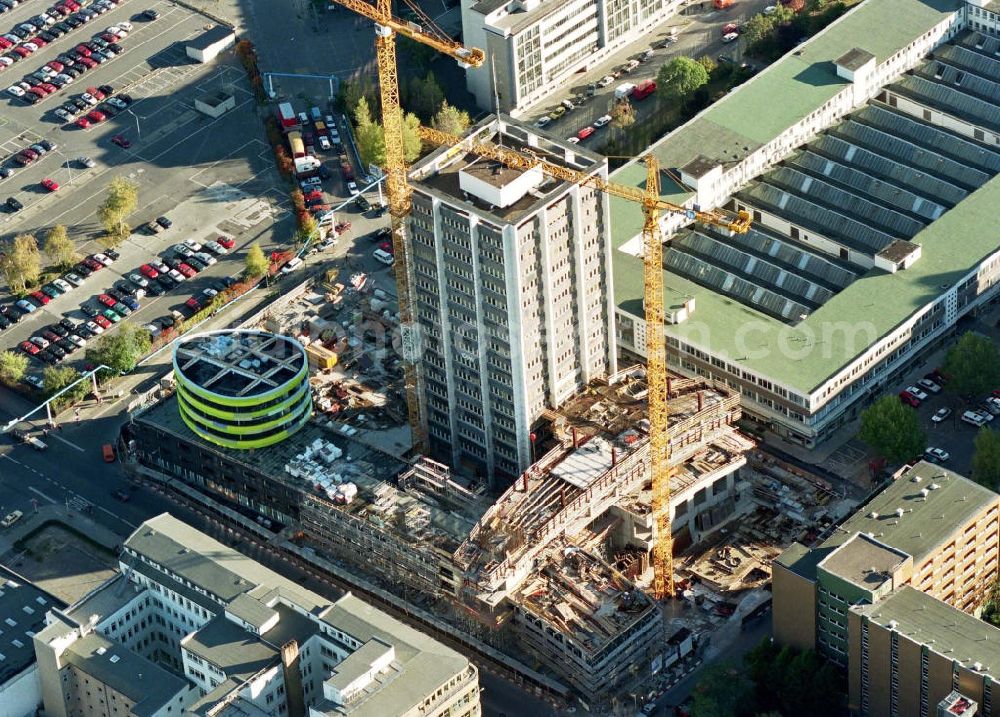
point(57, 66)
point(83, 123)
point(386, 246)
point(5, 43)
point(186, 270)
point(50, 184)
point(96, 93)
point(49, 87)
point(96, 116)
point(227, 242)
point(92, 264)
point(192, 304)
point(22, 51)
point(39, 297)
point(106, 300)
point(38, 41)
point(148, 271)
point(110, 37)
point(39, 90)
point(102, 321)
point(909, 399)
point(29, 348)
point(121, 141)
point(88, 63)
point(84, 50)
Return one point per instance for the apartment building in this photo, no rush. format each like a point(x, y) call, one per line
point(889, 147)
point(533, 46)
point(914, 655)
point(190, 626)
point(930, 529)
point(511, 292)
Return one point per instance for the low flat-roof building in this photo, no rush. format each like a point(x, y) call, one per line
point(208, 45)
point(931, 529)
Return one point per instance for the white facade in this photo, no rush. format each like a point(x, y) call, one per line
point(533, 46)
point(514, 306)
point(21, 695)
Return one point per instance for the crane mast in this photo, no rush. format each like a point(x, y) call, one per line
point(397, 188)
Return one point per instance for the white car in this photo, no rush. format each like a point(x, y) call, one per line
point(936, 455)
point(64, 285)
point(6, 61)
point(39, 342)
point(125, 25)
point(205, 258)
point(216, 248)
point(329, 121)
point(383, 256)
point(138, 279)
point(920, 395)
point(573, 140)
point(116, 103)
point(182, 250)
point(543, 121)
point(941, 414)
point(731, 37)
point(291, 265)
point(73, 279)
point(601, 121)
point(89, 99)
point(87, 162)
point(192, 245)
point(929, 385)
point(15, 91)
point(605, 81)
point(64, 78)
point(176, 275)
point(986, 415)
point(160, 266)
point(770, 9)
point(324, 143)
point(77, 340)
point(353, 189)
point(104, 259)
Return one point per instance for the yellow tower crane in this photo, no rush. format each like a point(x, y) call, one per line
point(397, 189)
point(656, 347)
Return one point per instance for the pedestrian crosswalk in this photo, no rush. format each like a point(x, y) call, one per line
point(79, 503)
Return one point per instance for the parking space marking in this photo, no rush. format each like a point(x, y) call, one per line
point(189, 137)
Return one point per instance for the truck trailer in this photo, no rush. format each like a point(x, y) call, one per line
point(286, 115)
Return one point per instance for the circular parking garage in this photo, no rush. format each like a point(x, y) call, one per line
point(242, 389)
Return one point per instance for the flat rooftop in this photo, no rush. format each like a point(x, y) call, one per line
point(873, 179)
point(22, 615)
point(864, 562)
point(927, 522)
point(239, 364)
point(438, 173)
point(946, 630)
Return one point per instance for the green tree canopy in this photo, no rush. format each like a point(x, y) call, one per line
point(56, 378)
point(723, 691)
point(972, 365)
point(758, 28)
point(371, 137)
point(892, 429)
point(424, 96)
point(122, 349)
point(791, 682)
point(122, 199)
point(678, 78)
point(451, 120)
point(20, 262)
point(256, 263)
point(12, 367)
point(986, 459)
point(59, 248)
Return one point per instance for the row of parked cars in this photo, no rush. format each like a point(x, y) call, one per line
point(61, 19)
point(931, 383)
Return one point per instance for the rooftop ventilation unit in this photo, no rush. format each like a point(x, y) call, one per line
point(892, 625)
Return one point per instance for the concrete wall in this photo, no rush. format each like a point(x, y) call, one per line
point(21, 695)
point(794, 611)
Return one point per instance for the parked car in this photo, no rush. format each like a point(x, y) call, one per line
point(909, 399)
point(940, 415)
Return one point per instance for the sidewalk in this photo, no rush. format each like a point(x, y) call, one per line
point(61, 514)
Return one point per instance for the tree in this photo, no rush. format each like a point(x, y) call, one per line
point(256, 263)
point(424, 96)
point(122, 349)
point(59, 248)
point(56, 378)
point(622, 115)
point(758, 28)
point(122, 199)
point(451, 120)
point(709, 64)
point(892, 429)
point(307, 225)
point(723, 691)
point(412, 144)
point(370, 136)
point(986, 459)
point(678, 78)
point(12, 367)
point(972, 365)
point(20, 262)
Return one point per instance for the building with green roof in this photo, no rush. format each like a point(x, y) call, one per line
point(870, 190)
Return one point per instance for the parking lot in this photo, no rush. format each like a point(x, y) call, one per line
point(210, 177)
